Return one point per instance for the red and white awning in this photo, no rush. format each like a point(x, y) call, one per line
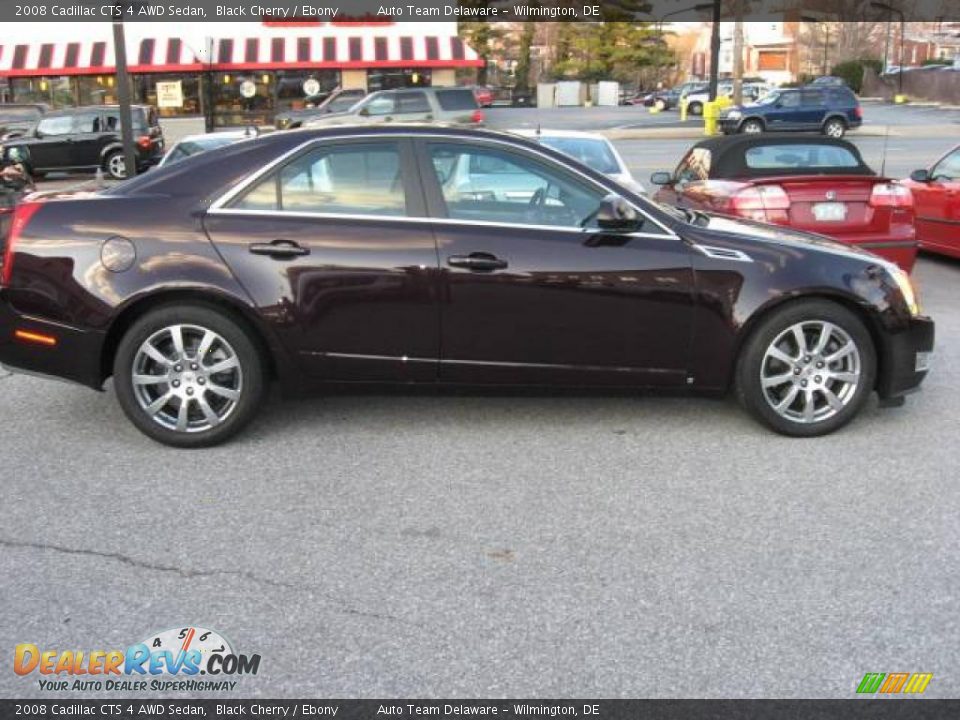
point(265, 52)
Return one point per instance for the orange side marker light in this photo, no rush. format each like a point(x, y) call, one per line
point(35, 337)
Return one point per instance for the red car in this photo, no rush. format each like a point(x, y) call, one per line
point(936, 196)
point(484, 95)
point(817, 184)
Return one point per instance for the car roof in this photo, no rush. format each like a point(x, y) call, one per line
point(228, 134)
point(727, 154)
point(535, 133)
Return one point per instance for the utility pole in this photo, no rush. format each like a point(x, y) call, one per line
point(715, 51)
point(738, 53)
point(123, 95)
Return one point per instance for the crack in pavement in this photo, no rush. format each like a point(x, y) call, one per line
point(187, 573)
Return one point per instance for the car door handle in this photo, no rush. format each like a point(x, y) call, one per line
point(477, 262)
point(279, 249)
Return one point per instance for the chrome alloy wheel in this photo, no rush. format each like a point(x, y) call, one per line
point(810, 372)
point(117, 166)
point(187, 378)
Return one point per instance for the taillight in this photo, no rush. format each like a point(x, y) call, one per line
point(891, 195)
point(477, 116)
point(767, 203)
point(21, 216)
point(144, 142)
point(858, 111)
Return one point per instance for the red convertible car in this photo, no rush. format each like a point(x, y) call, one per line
point(936, 194)
point(816, 184)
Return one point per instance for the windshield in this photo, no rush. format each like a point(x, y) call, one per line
point(595, 154)
point(769, 98)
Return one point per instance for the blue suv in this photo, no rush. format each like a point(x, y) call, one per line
point(830, 110)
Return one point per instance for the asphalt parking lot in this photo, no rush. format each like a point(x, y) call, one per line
point(480, 545)
point(471, 545)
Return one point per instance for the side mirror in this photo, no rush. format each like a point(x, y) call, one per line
point(920, 176)
point(661, 177)
point(615, 213)
point(364, 112)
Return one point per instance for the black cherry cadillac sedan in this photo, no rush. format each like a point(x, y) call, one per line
point(443, 256)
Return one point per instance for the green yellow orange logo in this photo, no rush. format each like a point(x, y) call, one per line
point(893, 683)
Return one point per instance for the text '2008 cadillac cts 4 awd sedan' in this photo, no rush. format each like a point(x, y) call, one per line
point(443, 256)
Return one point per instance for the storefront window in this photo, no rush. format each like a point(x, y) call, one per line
point(57, 92)
point(145, 92)
point(390, 79)
point(290, 94)
point(97, 89)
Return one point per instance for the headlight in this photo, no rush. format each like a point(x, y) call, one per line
point(906, 288)
point(734, 114)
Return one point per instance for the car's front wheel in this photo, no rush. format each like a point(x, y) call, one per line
point(752, 127)
point(695, 108)
point(116, 165)
point(835, 128)
point(807, 369)
point(188, 375)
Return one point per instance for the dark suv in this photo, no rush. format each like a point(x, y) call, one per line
point(830, 110)
point(87, 138)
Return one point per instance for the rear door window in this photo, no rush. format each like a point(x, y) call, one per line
point(412, 102)
point(457, 100)
point(87, 123)
point(812, 97)
point(350, 179)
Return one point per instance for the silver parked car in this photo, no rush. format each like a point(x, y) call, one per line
point(593, 150)
point(444, 105)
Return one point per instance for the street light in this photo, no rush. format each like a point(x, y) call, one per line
point(890, 9)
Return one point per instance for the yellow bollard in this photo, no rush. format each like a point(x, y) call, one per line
point(683, 110)
point(654, 109)
point(900, 99)
point(710, 113)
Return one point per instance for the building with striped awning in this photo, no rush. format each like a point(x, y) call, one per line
point(234, 72)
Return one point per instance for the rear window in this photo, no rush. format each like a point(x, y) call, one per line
point(457, 99)
point(796, 156)
point(842, 96)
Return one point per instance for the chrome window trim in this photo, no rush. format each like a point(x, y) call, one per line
point(421, 219)
point(217, 207)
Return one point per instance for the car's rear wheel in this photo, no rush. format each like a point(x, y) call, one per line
point(752, 127)
point(807, 369)
point(835, 128)
point(115, 165)
point(695, 108)
point(188, 375)
point(660, 104)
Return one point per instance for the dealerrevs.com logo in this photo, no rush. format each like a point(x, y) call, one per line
point(169, 661)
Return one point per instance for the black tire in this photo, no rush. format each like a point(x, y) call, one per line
point(660, 104)
point(112, 164)
point(237, 339)
point(835, 128)
point(751, 126)
point(750, 369)
point(695, 108)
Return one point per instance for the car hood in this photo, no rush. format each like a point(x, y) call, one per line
point(778, 235)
